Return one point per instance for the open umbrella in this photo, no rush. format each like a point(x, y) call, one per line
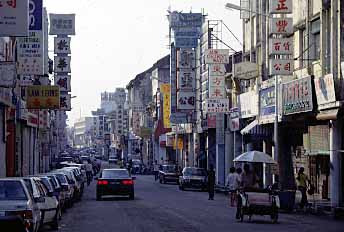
point(255, 157)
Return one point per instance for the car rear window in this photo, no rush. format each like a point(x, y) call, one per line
point(121, 173)
point(169, 168)
point(62, 179)
point(47, 184)
point(11, 191)
point(194, 172)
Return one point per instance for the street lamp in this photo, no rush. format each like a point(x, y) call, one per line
point(231, 6)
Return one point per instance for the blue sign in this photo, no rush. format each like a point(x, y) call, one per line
point(35, 15)
point(186, 19)
point(267, 101)
point(186, 42)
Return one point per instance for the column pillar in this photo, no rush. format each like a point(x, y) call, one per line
point(335, 172)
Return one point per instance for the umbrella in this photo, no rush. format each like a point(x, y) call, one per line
point(255, 157)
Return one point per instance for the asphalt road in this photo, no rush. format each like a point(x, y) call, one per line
point(164, 208)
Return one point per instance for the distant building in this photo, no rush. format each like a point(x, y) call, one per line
point(83, 132)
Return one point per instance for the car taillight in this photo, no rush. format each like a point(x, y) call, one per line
point(127, 182)
point(102, 182)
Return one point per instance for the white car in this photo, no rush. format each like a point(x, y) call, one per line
point(16, 200)
point(47, 203)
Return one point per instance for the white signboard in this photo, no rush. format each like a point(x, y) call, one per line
point(186, 58)
point(65, 102)
point(246, 70)
point(217, 105)
point(217, 92)
point(62, 45)
point(30, 54)
point(217, 70)
point(281, 67)
point(325, 91)
point(281, 46)
point(281, 6)
point(63, 81)
point(186, 79)
point(217, 56)
point(281, 26)
point(62, 64)
point(186, 100)
point(7, 74)
point(248, 104)
point(217, 81)
point(62, 24)
point(14, 17)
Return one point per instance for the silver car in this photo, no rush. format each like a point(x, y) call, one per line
point(16, 200)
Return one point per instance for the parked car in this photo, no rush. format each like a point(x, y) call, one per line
point(58, 189)
point(192, 177)
point(72, 182)
point(137, 166)
point(47, 203)
point(113, 160)
point(16, 200)
point(66, 188)
point(115, 182)
point(79, 178)
point(168, 173)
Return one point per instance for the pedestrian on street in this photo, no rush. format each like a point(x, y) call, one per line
point(232, 183)
point(302, 183)
point(156, 170)
point(89, 169)
point(211, 182)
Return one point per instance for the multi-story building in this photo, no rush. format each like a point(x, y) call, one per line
point(83, 129)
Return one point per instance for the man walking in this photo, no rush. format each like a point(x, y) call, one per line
point(156, 170)
point(211, 182)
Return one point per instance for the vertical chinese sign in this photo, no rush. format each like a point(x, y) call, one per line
point(63, 25)
point(166, 92)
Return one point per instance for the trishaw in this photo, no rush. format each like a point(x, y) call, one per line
point(255, 201)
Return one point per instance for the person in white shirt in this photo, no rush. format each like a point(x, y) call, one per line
point(233, 181)
point(156, 170)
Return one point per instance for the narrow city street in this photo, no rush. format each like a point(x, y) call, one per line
point(164, 208)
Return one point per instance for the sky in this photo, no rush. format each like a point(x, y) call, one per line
point(117, 39)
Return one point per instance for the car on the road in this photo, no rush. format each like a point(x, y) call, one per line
point(168, 173)
point(113, 160)
point(16, 200)
point(137, 167)
point(192, 177)
point(115, 182)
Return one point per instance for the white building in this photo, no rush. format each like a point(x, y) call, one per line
point(83, 131)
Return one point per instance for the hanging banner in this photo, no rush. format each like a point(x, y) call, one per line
point(166, 91)
point(7, 74)
point(281, 67)
point(62, 45)
point(281, 6)
point(325, 91)
point(186, 79)
point(217, 105)
point(14, 18)
point(217, 56)
point(43, 97)
point(186, 100)
point(65, 102)
point(185, 58)
point(63, 81)
point(62, 24)
point(62, 64)
point(281, 26)
point(30, 54)
point(217, 70)
point(217, 92)
point(281, 46)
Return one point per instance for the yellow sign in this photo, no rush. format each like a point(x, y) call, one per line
point(178, 145)
point(43, 97)
point(166, 91)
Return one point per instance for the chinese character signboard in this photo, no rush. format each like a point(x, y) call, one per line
point(281, 67)
point(217, 106)
point(281, 6)
point(248, 104)
point(217, 69)
point(35, 15)
point(281, 26)
point(186, 58)
point(297, 96)
point(62, 64)
point(62, 24)
point(63, 81)
point(65, 102)
point(166, 91)
point(267, 101)
point(43, 97)
point(62, 45)
point(14, 17)
point(186, 100)
point(186, 79)
point(217, 56)
point(325, 91)
point(246, 70)
point(7, 74)
point(281, 46)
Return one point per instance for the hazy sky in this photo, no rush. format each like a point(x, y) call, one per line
point(117, 39)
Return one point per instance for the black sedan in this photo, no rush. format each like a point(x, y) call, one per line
point(115, 182)
point(168, 173)
point(192, 177)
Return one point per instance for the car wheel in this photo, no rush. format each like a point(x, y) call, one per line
point(55, 223)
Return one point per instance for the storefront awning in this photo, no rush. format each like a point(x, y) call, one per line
point(249, 127)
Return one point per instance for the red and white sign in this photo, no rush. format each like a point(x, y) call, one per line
point(281, 67)
point(217, 56)
point(217, 70)
point(217, 81)
point(281, 26)
point(63, 81)
point(281, 46)
point(217, 105)
point(217, 92)
point(281, 6)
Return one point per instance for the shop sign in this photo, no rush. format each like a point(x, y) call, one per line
point(246, 70)
point(62, 24)
point(281, 67)
point(179, 117)
point(211, 121)
point(248, 104)
point(170, 140)
point(297, 96)
point(281, 46)
point(217, 70)
point(186, 100)
point(7, 74)
point(281, 6)
point(26, 80)
point(62, 64)
point(62, 45)
point(6, 96)
point(234, 119)
point(267, 101)
point(217, 56)
point(282, 26)
point(186, 58)
point(186, 79)
point(43, 97)
point(63, 81)
point(14, 18)
point(166, 91)
point(325, 91)
point(217, 81)
point(217, 105)
point(65, 102)
point(217, 92)
point(220, 128)
point(185, 20)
